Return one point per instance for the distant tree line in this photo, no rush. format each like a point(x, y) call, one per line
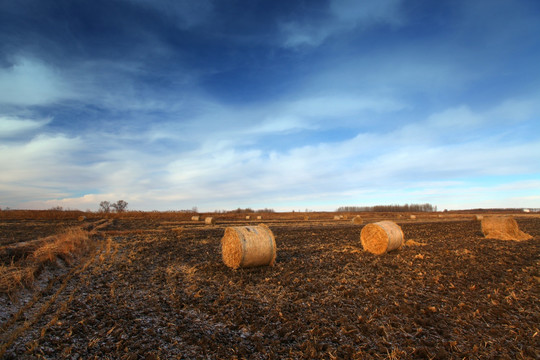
point(246, 210)
point(390, 208)
point(107, 207)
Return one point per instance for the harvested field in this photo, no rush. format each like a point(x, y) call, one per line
point(159, 289)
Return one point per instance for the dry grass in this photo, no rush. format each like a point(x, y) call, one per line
point(13, 277)
point(65, 246)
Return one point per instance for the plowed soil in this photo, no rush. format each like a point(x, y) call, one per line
point(159, 290)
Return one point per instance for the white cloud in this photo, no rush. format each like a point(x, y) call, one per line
point(31, 82)
point(14, 126)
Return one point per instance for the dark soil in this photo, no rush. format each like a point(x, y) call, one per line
point(14, 231)
point(164, 293)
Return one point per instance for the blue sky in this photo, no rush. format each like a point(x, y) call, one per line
point(290, 105)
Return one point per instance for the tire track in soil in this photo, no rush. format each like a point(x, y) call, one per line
point(41, 307)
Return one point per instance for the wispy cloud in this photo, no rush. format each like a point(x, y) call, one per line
point(28, 82)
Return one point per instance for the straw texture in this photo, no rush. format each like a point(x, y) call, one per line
point(357, 220)
point(248, 246)
point(502, 228)
point(381, 237)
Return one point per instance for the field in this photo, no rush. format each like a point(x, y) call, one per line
point(154, 287)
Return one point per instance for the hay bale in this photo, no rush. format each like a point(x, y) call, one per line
point(259, 217)
point(502, 228)
point(306, 218)
point(248, 246)
point(195, 218)
point(209, 221)
point(479, 217)
point(357, 220)
point(413, 217)
point(81, 218)
point(248, 217)
point(381, 237)
point(337, 217)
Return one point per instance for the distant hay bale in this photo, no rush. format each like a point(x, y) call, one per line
point(248, 246)
point(82, 218)
point(306, 218)
point(413, 217)
point(337, 217)
point(502, 228)
point(195, 218)
point(357, 220)
point(479, 217)
point(248, 217)
point(209, 221)
point(381, 237)
point(259, 217)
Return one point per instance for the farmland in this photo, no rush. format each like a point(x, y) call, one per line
point(153, 286)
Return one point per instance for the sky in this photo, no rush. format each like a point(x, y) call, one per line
point(289, 105)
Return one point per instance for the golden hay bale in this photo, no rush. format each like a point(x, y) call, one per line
point(209, 221)
point(357, 220)
point(502, 228)
point(413, 217)
point(337, 217)
point(259, 217)
point(381, 237)
point(195, 218)
point(248, 217)
point(248, 246)
point(479, 217)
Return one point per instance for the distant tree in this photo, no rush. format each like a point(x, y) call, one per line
point(105, 207)
point(57, 208)
point(120, 206)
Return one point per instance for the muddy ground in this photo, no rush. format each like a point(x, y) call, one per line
point(154, 290)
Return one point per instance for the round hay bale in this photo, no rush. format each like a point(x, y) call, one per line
point(502, 228)
point(209, 221)
point(479, 217)
point(381, 237)
point(413, 217)
point(259, 217)
point(82, 218)
point(248, 217)
point(337, 217)
point(248, 246)
point(357, 220)
point(195, 218)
